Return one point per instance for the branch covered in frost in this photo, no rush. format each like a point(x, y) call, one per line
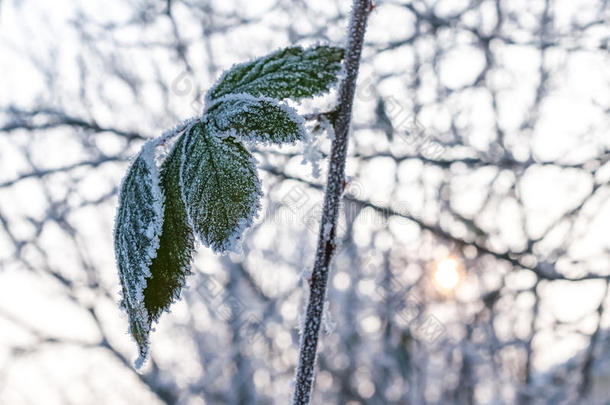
point(332, 198)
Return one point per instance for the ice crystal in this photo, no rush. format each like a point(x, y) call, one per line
point(176, 244)
point(220, 187)
point(257, 119)
point(136, 238)
point(292, 72)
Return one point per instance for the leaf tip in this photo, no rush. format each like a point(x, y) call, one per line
point(142, 357)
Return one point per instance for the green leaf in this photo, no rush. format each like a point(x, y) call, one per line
point(292, 72)
point(136, 238)
point(257, 119)
point(176, 244)
point(220, 187)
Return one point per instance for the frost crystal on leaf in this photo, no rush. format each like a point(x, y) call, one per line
point(220, 187)
point(176, 244)
point(292, 72)
point(136, 238)
point(259, 119)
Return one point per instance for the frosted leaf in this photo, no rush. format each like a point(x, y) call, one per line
point(259, 119)
point(292, 72)
point(208, 184)
point(176, 244)
point(220, 187)
point(136, 238)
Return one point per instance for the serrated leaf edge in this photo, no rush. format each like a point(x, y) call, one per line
point(237, 232)
point(251, 138)
point(208, 100)
point(147, 154)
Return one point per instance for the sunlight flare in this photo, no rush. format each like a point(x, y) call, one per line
point(446, 274)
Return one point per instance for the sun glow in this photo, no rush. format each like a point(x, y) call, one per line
point(447, 275)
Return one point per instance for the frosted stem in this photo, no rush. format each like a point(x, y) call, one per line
point(332, 198)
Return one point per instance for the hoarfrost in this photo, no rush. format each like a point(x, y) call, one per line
point(138, 224)
point(291, 72)
point(306, 273)
point(256, 119)
point(326, 230)
point(220, 188)
point(328, 324)
point(311, 154)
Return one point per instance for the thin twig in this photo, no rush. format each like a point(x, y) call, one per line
point(334, 190)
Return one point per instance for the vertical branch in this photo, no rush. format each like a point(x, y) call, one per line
point(332, 198)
